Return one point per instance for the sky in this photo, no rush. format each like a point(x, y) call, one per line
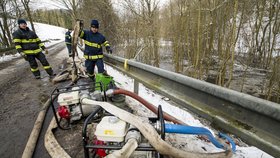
point(191, 143)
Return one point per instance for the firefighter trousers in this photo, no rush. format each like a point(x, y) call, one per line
point(34, 66)
point(69, 48)
point(90, 65)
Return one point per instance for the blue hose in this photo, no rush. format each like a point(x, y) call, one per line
point(233, 146)
point(172, 128)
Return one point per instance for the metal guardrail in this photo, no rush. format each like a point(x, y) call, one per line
point(254, 120)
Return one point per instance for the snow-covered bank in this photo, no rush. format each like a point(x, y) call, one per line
point(191, 143)
point(45, 32)
point(185, 142)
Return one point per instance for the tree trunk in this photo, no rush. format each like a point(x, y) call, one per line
point(28, 12)
point(232, 43)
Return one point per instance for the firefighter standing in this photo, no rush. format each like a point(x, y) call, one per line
point(30, 47)
point(68, 40)
point(93, 49)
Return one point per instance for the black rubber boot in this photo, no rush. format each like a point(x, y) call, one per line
point(37, 74)
point(105, 73)
point(92, 78)
point(50, 72)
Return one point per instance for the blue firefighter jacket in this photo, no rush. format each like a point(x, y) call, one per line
point(68, 37)
point(27, 42)
point(93, 44)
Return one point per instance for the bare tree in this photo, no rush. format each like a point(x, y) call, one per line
point(103, 11)
point(232, 42)
point(26, 4)
point(72, 7)
point(178, 31)
point(6, 37)
point(147, 12)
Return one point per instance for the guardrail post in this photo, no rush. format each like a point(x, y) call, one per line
point(136, 86)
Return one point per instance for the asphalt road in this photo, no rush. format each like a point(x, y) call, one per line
point(21, 99)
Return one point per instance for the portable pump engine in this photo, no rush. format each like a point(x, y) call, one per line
point(68, 98)
point(122, 141)
point(112, 134)
point(70, 107)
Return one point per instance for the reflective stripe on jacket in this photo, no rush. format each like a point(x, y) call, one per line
point(93, 57)
point(93, 43)
point(68, 38)
point(27, 41)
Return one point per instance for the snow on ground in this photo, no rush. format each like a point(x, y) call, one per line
point(9, 57)
point(48, 32)
point(185, 142)
point(45, 32)
point(190, 143)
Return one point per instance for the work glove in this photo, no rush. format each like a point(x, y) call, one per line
point(46, 51)
point(109, 50)
point(81, 23)
point(24, 56)
point(43, 47)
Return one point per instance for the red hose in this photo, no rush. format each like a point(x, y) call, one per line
point(148, 105)
point(154, 109)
